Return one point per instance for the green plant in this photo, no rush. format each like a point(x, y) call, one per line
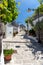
point(36, 27)
point(40, 1)
point(8, 52)
point(32, 32)
point(8, 11)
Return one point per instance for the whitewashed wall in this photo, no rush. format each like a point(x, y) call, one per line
point(36, 20)
point(9, 31)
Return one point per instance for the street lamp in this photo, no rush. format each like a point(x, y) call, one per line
point(39, 41)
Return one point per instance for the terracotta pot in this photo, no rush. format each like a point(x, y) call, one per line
point(7, 58)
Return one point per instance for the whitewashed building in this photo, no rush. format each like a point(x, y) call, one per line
point(9, 31)
point(36, 19)
point(40, 31)
point(11, 28)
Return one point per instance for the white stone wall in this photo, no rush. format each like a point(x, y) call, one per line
point(9, 31)
point(36, 20)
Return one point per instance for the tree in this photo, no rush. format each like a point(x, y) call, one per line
point(40, 1)
point(38, 12)
point(40, 9)
point(8, 11)
point(28, 21)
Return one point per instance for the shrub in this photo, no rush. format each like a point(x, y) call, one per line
point(8, 52)
point(32, 32)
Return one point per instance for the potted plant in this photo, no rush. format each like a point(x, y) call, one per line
point(7, 54)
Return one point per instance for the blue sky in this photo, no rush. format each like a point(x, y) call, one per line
point(25, 4)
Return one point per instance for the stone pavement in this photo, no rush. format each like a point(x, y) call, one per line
point(29, 52)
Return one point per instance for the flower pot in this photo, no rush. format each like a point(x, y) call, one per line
point(7, 55)
point(7, 58)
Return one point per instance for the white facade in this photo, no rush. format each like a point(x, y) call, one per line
point(29, 26)
point(18, 29)
point(36, 20)
point(9, 31)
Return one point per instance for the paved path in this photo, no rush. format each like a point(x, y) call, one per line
point(29, 51)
